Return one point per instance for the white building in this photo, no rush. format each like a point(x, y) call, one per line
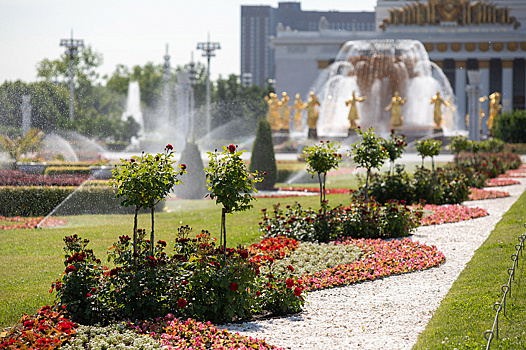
point(458, 35)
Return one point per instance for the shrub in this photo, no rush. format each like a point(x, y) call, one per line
point(426, 187)
point(510, 127)
point(321, 159)
point(69, 170)
point(395, 147)
point(429, 148)
point(195, 281)
point(386, 187)
point(263, 159)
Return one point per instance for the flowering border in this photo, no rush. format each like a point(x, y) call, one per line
point(477, 194)
point(380, 259)
point(496, 182)
point(443, 214)
point(30, 222)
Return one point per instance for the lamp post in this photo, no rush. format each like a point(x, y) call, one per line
point(208, 49)
point(474, 89)
point(72, 46)
point(192, 77)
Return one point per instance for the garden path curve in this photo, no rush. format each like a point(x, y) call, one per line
point(387, 313)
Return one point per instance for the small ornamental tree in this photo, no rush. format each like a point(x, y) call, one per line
point(429, 148)
point(230, 183)
point(31, 141)
point(263, 158)
point(322, 158)
point(369, 153)
point(145, 181)
point(459, 144)
point(395, 147)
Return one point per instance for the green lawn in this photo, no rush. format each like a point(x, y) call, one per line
point(467, 311)
point(30, 260)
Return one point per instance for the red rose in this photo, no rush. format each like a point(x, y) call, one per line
point(265, 173)
point(258, 293)
point(132, 160)
point(297, 291)
point(184, 282)
point(233, 286)
point(70, 268)
point(156, 158)
point(290, 268)
point(181, 303)
point(232, 148)
point(244, 254)
point(183, 166)
point(170, 147)
point(290, 283)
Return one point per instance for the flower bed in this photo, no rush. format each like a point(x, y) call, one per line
point(496, 182)
point(380, 259)
point(19, 178)
point(450, 213)
point(316, 190)
point(477, 194)
point(19, 222)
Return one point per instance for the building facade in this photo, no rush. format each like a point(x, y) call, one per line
point(458, 35)
point(260, 24)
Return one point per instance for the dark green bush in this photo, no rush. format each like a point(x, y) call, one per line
point(30, 201)
point(263, 158)
point(510, 127)
point(386, 187)
point(69, 170)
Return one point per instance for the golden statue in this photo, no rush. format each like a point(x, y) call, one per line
point(273, 112)
point(285, 112)
point(353, 112)
point(437, 113)
point(494, 109)
point(312, 114)
point(299, 106)
point(396, 110)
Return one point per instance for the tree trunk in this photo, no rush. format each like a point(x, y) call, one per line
point(135, 237)
point(152, 235)
point(223, 231)
point(367, 185)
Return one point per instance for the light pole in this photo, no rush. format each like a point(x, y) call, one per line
point(208, 49)
point(72, 46)
point(192, 76)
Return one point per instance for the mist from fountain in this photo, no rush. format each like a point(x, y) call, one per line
point(133, 104)
point(377, 69)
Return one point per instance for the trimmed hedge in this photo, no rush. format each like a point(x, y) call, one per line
point(28, 201)
point(69, 170)
point(510, 127)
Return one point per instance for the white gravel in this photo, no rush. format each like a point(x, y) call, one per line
point(388, 313)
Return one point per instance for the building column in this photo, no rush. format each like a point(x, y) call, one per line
point(460, 93)
point(484, 82)
point(507, 85)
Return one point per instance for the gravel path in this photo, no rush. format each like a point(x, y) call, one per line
point(389, 313)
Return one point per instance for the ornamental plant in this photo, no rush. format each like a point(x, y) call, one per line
point(145, 181)
point(31, 141)
point(394, 146)
point(230, 183)
point(429, 148)
point(263, 158)
point(369, 153)
point(322, 158)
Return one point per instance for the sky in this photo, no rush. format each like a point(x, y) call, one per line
point(130, 32)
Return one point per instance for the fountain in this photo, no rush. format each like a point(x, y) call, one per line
point(377, 69)
point(133, 105)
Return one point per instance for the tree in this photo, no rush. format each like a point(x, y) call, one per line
point(321, 159)
point(263, 159)
point(21, 145)
point(145, 181)
point(429, 148)
point(230, 183)
point(395, 147)
point(368, 153)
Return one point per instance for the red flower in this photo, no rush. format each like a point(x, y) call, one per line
point(297, 291)
point(181, 303)
point(132, 160)
point(233, 286)
point(184, 282)
point(183, 166)
point(232, 148)
point(244, 254)
point(88, 295)
point(290, 283)
point(290, 268)
point(265, 173)
point(258, 293)
point(70, 268)
point(170, 147)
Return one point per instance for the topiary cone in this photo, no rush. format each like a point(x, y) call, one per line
point(263, 158)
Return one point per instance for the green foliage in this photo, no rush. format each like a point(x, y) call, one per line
point(33, 201)
point(362, 219)
point(229, 181)
point(263, 159)
point(391, 186)
point(195, 181)
point(30, 142)
point(460, 144)
point(394, 146)
point(510, 127)
point(369, 153)
point(322, 158)
point(192, 282)
point(429, 148)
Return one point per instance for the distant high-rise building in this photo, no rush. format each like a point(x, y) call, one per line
point(259, 24)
